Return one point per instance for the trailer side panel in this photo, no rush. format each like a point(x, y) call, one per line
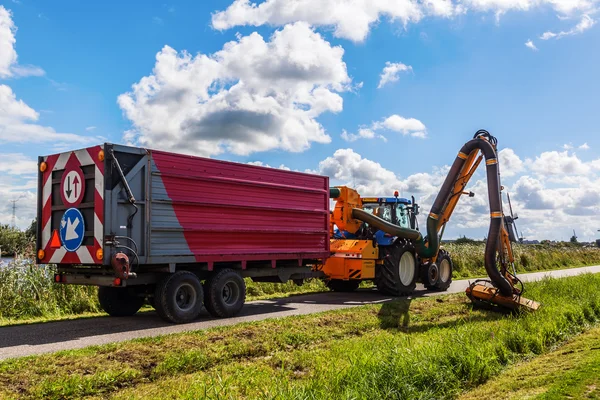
point(232, 212)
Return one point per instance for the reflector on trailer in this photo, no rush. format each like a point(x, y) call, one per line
point(55, 242)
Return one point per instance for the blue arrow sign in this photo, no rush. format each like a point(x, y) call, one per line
point(72, 229)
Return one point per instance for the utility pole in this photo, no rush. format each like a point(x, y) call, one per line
point(14, 210)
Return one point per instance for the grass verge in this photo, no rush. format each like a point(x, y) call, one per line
point(421, 348)
point(571, 371)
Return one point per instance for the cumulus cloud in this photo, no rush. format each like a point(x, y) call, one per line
point(559, 164)
point(510, 163)
point(368, 177)
point(405, 126)
point(363, 133)
point(584, 24)
point(391, 73)
point(8, 55)
point(530, 45)
point(353, 19)
point(253, 95)
point(350, 19)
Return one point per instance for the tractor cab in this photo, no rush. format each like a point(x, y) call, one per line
point(395, 210)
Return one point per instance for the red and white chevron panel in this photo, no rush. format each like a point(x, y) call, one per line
point(57, 162)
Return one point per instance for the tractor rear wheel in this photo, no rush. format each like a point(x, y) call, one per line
point(397, 275)
point(225, 293)
point(119, 302)
point(338, 285)
point(178, 297)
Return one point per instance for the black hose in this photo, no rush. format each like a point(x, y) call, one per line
point(385, 226)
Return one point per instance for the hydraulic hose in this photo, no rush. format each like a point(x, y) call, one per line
point(395, 230)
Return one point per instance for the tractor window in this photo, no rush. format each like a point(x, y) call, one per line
point(402, 213)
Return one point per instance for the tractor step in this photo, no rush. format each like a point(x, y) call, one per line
point(479, 294)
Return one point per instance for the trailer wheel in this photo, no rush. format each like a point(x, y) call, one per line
point(338, 285)
point(119, 302)
point(397, 276)
point(445, 268)
point(225, 293)
point(178, 297)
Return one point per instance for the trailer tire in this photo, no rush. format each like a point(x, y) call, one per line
point(225, 293)
point(338, 285)
point(397, 276)
point(119, 302)
point(445, 268)
point(178, 297)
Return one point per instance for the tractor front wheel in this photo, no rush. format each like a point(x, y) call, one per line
point(397, 276)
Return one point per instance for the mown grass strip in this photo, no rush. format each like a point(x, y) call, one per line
point(422, 348)
point(571, 371)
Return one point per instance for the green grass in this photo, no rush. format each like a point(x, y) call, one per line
point(420, 348)
point(27, 294)
point(571, 371)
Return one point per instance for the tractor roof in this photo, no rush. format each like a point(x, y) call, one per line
point(385, 200)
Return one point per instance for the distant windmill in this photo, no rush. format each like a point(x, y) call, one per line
point(574, 237)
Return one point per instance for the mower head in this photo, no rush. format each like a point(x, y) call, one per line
point(482, 292)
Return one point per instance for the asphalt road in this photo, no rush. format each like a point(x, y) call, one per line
point(24, 340)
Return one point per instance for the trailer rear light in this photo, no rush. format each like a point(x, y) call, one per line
point(101, 155)
point(117, 282)
point(63, 278)
point(99, 254)
point(41, 254)
point(43, 166)
point(57, 278)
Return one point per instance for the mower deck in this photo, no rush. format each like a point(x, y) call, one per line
point(491, 295)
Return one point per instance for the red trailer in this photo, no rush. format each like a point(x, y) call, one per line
point(179, 231)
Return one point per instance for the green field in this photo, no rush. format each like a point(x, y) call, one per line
point(421, 348)
point(27, 294)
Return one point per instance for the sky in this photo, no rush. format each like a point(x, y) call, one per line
point(376, 94)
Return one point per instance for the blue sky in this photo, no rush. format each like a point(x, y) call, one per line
point(463, 66)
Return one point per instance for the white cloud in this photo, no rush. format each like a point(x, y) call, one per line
point(530, 45)
point(510, 163)
point(584, 146)
point(8, 54)
point(353, 19)
point(17, 164)
point(262, 164)
point(406, 126)
point(253, 95)
point(368, 177)
point(16, 124)
point(363, 133)
point(558, 164)
point(17, 180)
point(90, 128)
point(391, 73)
point(586, 23)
